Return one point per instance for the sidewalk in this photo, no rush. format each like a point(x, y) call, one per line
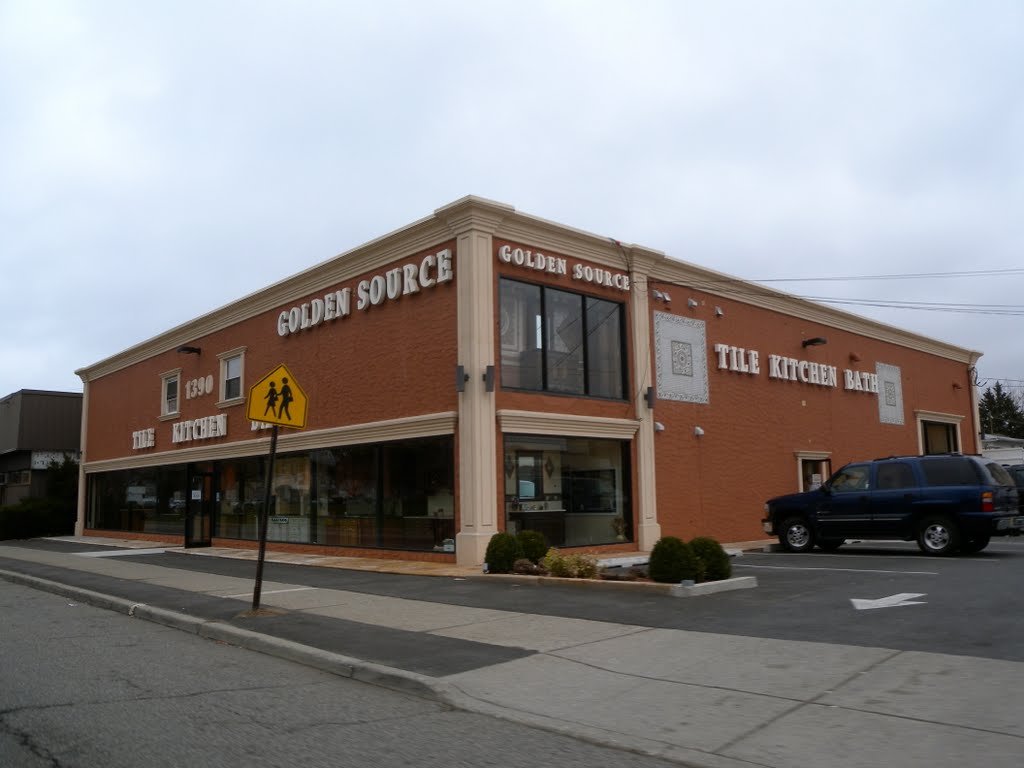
point(699, 699)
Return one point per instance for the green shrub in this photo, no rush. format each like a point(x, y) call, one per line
point(585, 566)
point(673, 560)
point(31, 518)
point(533, 544)
point(502, 552)
point(717, 565)
point(556, 564)
point(570, 566)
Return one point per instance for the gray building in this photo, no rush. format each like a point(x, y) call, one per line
point(36, 428)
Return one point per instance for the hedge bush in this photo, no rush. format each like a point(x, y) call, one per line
point(32, 518)
point(502, 552)
point(534, 545)
point(570, 566)
point(717, 565)
point(673, 560)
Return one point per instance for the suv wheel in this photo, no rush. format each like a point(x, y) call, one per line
point(938, 536)
point(796, 535)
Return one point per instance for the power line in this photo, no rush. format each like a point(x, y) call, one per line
point(906, 276)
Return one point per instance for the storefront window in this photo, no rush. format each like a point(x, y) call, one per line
point(558, 341)
point(573, 490)
point(393, 495)
point(289, 517)
point(346, 496)
point(418, 498)
point(147, 500)
point(241, 498)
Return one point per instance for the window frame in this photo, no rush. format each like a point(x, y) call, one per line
point(950, 421)
point(165, 378)
point(587, 352)
point(224, 359)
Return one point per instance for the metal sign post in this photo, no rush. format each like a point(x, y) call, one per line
point(276, 399)
point(264, 519)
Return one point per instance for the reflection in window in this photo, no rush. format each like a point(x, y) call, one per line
point(146, 500)
point(396, 495)
point(242, 488)
point(558, 341)
point(850, 479)
point(575, 491)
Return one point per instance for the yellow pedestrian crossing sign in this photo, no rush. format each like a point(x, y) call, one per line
point(278, 399)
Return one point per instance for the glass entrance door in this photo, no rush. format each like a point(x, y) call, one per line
point(200, 508)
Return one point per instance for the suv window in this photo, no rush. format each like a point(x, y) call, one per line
point(896, 475)
point(1002, 477)
point(850, 479)
point(951, 470)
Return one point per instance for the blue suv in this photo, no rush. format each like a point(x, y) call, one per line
point(947, 503)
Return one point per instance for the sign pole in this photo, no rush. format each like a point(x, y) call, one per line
point(264, 517)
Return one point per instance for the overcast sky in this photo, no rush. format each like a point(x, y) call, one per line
point(159, 160)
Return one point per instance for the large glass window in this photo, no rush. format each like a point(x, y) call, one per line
point(242, 488)
point(558, 341)
point(575, 491)
point(147, 500)
point(347, 496)
point(390, 495)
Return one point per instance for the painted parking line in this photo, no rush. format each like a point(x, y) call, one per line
point(271, 592)
point(849, 554)
point(121, 552)
point(847, 570)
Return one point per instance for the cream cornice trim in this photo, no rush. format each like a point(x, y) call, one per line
point(430, 425)
point(816, 455)
point(948, 418)
point(537, 423)
point(700, 278)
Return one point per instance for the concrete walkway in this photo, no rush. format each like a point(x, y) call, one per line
point(698, 699)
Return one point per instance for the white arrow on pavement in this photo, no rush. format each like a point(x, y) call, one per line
point(904, 598)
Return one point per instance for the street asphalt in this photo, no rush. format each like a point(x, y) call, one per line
point(550, 658)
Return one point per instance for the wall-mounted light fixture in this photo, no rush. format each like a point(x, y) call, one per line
point(650, 397)
point(661, 296)
point(692, 303)
point(489, 378)
point(189, 350)
point(698, 432)
point(854, 357)
point(957, 385)
point(461, 377)
point(817, 341)
point(659, 427)
point(719, 311)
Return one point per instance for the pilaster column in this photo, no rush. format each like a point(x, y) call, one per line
point(648, 529)
point(80, 517)
point(473, 223)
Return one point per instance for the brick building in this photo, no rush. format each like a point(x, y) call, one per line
point(484, 370)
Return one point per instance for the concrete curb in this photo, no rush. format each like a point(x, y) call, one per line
point(668, 590)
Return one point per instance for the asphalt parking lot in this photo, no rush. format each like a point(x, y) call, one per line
point(886, 594)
